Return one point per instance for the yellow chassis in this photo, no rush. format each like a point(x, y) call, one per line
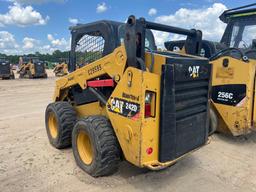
point(135, 134)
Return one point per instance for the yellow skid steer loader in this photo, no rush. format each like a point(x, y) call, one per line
point(128, 100)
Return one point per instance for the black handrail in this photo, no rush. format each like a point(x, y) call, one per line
point(135, 38)
point(170, 29)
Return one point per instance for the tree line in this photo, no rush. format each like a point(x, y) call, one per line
point(54, 57)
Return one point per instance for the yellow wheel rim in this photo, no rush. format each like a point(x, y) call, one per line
point(84, 147)
point(52, 123)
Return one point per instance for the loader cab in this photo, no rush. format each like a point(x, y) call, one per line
point(240, 32)
point(32, 67)
point(93, 41)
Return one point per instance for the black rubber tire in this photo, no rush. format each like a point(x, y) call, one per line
point(66, 118)
point(105, 146)
point(213, 122)
point(12, 76)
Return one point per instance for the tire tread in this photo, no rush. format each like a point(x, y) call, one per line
point(67, 118)
point(107, 145)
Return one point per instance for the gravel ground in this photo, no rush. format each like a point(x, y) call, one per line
point(29, 163)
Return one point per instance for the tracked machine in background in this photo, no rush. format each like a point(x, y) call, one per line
point(31, 67)
point(61, 68)
point(129, 100)
point(6, 71)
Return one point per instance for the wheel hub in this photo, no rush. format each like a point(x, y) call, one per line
point(52, 123)
point(84, 147)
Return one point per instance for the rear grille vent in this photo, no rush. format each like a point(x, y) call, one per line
point(184, 108)
point(4, 69)
point(39, 68)
point(190, 98)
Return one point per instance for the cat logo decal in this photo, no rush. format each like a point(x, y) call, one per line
point(194, 71)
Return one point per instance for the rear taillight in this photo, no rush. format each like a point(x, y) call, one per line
point(147, 110)
point(149, 150)
point(150, 102)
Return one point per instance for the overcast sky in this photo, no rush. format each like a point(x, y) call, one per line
point(27, 26)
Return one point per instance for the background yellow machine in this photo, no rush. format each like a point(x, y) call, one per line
point(31, 68)
point(233, 91)
point(128, 100)
point(61, 68)
point(233, 81)
point(6, 71)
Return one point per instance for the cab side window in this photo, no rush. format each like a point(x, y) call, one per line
point(89, 48)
